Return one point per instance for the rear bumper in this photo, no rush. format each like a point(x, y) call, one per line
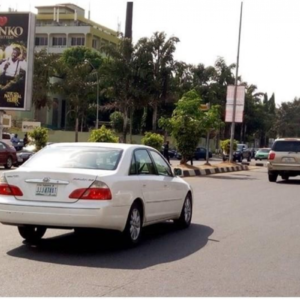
point(92, 215)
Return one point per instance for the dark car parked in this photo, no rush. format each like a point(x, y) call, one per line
point(200, 153)
point(241, 152)
point(8, 155)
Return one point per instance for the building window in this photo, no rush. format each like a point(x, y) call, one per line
point(94, 44)
point(77, 41)
point(59, 41)
point(41, 41)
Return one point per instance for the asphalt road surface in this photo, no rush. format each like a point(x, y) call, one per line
point(243, 241)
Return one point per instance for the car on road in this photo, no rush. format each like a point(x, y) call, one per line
point(284, 159)
point(241, 152)
point(93, 185)
point(262, 153)
point(200, 153)
point(8, 155)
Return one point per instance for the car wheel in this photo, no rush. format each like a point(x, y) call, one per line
point(32, 233)
point(285, 177)
point(9, 163)
point(249, 158)
point(272, 177)
point(133, 227)
point(240, 159)
point(185, 218)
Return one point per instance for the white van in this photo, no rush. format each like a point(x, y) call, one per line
point(6, 138)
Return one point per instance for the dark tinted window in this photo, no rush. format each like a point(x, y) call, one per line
point(286, 146)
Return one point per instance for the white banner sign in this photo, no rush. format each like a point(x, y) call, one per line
point(240, 95)
point(239, 113)
point(29, 126)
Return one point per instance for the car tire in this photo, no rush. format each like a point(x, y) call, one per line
point(185, 218)
point(133, 229)
point(249, 158)
point(9, 163)
point(272, 177)
point(240, 159)
point(32, 233)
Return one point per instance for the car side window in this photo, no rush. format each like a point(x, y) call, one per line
point(144, 165)
point(162, 167)
point(2, 147)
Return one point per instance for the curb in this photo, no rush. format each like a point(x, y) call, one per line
point(204, 172)
point(255, 165)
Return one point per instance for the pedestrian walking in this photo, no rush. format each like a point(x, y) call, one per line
point(166, 151)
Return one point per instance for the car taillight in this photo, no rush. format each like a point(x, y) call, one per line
point(97, 191)
point(271, 156)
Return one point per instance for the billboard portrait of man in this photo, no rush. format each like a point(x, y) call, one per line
point(13, 71)
point(16, 60)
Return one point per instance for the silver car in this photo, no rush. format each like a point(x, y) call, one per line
point(284, 159)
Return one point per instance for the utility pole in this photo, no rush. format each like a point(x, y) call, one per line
point(128, 34)
point(235, 89)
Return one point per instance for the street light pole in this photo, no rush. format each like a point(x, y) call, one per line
point(235, 90)
point(97, 109)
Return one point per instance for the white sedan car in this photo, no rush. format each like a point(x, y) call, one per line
point(93, 185)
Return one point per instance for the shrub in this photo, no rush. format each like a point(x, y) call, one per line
point(153, 140)
point(40, 137)
point(225, 145)
point(116, 120)
point(103, 135)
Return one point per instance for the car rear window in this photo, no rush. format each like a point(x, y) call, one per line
point(286, 146)
point(98, 158)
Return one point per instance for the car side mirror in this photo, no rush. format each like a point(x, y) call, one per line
point(177, 172)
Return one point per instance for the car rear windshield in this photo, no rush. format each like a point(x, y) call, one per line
point(98, 158)
point(286, 146)
point(264, 150)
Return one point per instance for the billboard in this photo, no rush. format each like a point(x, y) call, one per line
point(29, 126)
point(17, 32)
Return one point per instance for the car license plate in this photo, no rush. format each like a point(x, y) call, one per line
point(288, 159)
point(46, 190)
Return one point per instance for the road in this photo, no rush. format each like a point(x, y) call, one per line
point(243, 241)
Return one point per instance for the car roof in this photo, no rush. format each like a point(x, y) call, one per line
point(100, 145)
point(288, 139)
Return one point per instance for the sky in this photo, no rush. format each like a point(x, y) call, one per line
point(208, 29)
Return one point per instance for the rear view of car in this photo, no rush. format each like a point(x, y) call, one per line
point(262, 153)
point(284, 159)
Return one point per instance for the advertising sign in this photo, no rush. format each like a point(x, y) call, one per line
point(240, 94)
point(17, 31)
point(239, 113)
point(6, 121)
point(29, 126)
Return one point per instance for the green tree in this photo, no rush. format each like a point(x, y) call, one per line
point(210, 123)
point(185, 124)
point(162, 66)
point(287, 122)
point(77, 82)
point(45, 68)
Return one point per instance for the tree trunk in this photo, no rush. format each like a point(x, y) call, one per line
point(130, 127)
point(207, 149)
point(125, 123)
point(154, 117)
point(76, 125)
point(81, 125)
